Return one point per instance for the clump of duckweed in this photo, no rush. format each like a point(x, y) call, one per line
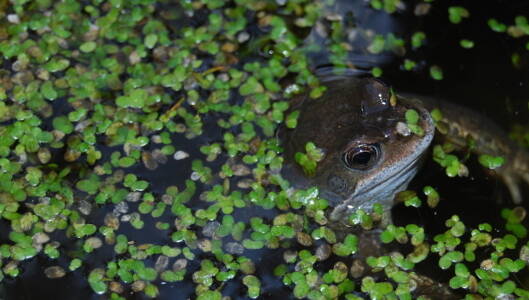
point(97, 97)
point(309, 160)
point(453, 166)
point(491, 162)
point(457, 13)
point(492, 276)
point(412, 118)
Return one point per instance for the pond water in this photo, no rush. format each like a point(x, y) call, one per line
point(483, 78)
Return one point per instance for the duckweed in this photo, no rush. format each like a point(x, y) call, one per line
point(450, 162)
point(457, 13)
point(436, 72)
point(377, 72)
point(491, 162)
point(308, 161)
point(496, 25)
point(94, 92)
point(412, 119)
point(467, 44)
point(417, 39)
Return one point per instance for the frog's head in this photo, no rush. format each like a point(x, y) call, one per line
point(368, 157)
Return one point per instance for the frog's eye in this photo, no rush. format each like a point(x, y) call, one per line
point(361, 157)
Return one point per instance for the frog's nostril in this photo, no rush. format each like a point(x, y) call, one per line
point(336, 184)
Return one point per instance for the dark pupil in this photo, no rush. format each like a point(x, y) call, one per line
point(362, 158)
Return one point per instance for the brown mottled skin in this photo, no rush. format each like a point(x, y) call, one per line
point(355, 120)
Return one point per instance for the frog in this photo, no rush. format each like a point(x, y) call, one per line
point(369, 154)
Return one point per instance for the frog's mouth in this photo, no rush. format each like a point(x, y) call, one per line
point(393, 174)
